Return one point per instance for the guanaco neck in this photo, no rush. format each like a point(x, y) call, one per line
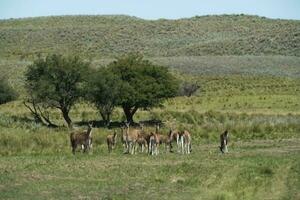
point(89, 131)
point(115, 136)
point(127, 131)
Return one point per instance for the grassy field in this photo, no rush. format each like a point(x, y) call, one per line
point(261, 169)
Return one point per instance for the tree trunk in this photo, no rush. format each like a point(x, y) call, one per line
point(129, 112)
point(34, 112)
point(105, 117)
point(65, 113)
point(46, 117)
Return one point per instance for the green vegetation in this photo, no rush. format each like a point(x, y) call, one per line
point(107, 36)
point(7, 93)
point(247, 68)
point(55, 82)
point(144, 85)
point(103, 89)
point(131, 82)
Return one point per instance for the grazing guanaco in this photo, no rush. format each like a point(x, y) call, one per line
point(142, 142)
point(123, 138)
point(224, 142)
point(111, 141)
point(82, 138)
point(185, 142)
point(153, 144)
point(162, 139)
point(143, 139)
point(174, 136)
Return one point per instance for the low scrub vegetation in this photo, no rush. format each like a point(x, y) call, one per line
point(108, 36)
point(7, 93)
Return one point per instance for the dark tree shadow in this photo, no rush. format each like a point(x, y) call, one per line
point(118, 124)
point(28, 120)
point(101, 124)
point(152, 122)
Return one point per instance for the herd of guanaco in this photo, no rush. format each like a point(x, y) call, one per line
point(133, 138)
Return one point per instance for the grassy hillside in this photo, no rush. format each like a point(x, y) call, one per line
point(278, 66)
point(104, 36)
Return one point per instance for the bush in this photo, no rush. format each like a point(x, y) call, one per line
point(7, 93)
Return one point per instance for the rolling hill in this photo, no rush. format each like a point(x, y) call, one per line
point(108, 36)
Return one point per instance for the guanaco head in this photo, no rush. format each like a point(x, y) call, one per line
point(170, 133)
point(142, 126)
point(173, 134)
point(226, 133)
point(90, 126)
point(152, 134)
point(157, 128)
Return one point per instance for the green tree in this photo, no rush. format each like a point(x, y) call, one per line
point(144, 85)
point(103, 89)
point(56, 82)
point(7, 93)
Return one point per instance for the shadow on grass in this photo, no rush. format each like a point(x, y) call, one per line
point(13, 119)
point(118, 124)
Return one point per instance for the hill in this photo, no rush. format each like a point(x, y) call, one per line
point(107, 36)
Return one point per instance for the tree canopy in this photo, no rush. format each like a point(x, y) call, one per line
point(144, 85)
point(130, 82)
point(56, 82)
point(103, 89)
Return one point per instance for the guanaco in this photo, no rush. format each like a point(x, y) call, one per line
point(185, 142)
point(224, 142)
point(130, 137)
point(81, 138)
point(174, 136)
point(111, 141)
